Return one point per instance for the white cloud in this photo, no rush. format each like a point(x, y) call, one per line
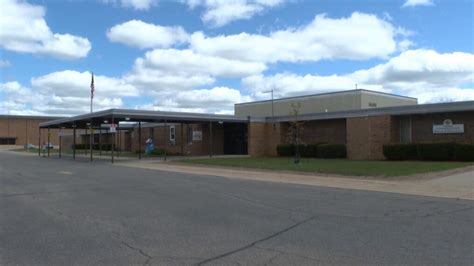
point(425, 74)
point(412, 3)
point(53, 94)
point(181, 80)
point(64, 93)
point(23, 29)
point(5, 63)
point(77, 84)
point(189, 63)
point(221, 12)
point(290, 84)
point(143, 35)
point(358, 37)
point(139, 4)
point(215, 100)
point(169, 70)
point(422, 66)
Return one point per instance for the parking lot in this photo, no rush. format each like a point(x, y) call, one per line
point(63, 212)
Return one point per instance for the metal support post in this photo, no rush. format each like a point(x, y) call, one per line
point(166, 140)
point(113, 142)
point(60, 140)
point(39, 141)
point(139, 139)
point(47, 145)
point(74, 142)
point(85, 149)
point(210, 138)
point(100, 141)
point(182, 139)
point(91, 140)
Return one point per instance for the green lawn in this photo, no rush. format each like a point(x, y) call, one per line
point(333, 166)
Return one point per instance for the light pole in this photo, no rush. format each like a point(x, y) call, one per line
point(273, 114)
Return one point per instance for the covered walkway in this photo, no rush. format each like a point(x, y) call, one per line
point(217, 134)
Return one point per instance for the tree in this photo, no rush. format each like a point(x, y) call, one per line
point(294, 131)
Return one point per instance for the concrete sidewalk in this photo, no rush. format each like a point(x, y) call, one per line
point(457, 185)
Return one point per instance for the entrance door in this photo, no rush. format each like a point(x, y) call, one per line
point(235, 138)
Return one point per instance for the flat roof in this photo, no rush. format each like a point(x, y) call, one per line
point(130, 115)
point(393, 110)
point(30, 117)
point(332, 93)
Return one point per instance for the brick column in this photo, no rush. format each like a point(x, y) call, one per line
point(263, 138)
point(366, 137)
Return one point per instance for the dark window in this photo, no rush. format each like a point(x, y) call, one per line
point(190, 134)
point(7, 141)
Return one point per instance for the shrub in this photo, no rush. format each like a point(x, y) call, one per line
point(331, 151)
point(463, 152)
point(442, 151)
point(309, 150)
point(286, 150)
point(400, 151)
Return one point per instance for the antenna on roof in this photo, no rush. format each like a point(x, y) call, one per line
point(356, 86)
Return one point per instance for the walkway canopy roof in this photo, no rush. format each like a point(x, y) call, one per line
point(123, 115)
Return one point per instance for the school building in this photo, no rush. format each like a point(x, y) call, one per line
point(362, 120)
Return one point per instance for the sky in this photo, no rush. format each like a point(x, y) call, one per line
point(207, 55)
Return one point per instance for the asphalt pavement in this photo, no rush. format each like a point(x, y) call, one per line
point(63, 212)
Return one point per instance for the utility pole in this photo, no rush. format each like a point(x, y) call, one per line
point(273, 112)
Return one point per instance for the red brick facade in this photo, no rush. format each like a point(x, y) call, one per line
point(422, 127)
point(26, 129)
point(364, 136)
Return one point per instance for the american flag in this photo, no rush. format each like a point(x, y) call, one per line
point(92, 86)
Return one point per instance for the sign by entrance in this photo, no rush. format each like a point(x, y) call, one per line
point(448, 127)
point(113, 128)
point(197, 135)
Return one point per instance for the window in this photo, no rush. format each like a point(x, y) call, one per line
point(7, 140)
point(405, 129)
point(172, 134)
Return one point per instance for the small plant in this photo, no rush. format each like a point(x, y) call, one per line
point(294, 131)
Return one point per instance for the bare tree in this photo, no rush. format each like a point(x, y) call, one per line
point(294, 131)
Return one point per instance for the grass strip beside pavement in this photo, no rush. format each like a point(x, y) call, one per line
point(333, 166)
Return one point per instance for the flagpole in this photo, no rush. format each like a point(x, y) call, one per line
point(91, 132)
point(92, 89)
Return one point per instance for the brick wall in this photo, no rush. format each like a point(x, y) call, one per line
point(422, 127)
point(264, 137)
point(367, 135)
point(181, 145)
point(324, 131)
point(25, 130)
point(256, 139)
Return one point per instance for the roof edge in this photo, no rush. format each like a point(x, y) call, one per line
point(331, 93)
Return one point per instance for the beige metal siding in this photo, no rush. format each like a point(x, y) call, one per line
point(368, 100)
point(311, 104)
point(344, 101)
